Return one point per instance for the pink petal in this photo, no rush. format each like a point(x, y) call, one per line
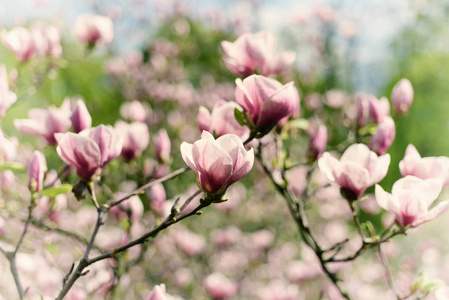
point(204, 119)
point(186, 153)
point(353, 177)
point(435, 212)
point(329, 165)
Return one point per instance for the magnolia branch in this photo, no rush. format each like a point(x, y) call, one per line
point(297, 211)
point(85, 261)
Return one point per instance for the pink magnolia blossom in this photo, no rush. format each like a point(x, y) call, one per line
point(252, 51)
point(133, 111)
point(36, 171)
point(7, 97)
point(190, 243)
point(378, 109)
point(158, 292)
point(80, 118)
point(410, 200)
point(47, 40)
point(46, 122)
point(135, 138)
point(358, 169)
point(222, 120)
point(218, 163)
point(318, 142)
point(266, 100)
point(156, 196)
point(384, 136)
point(219, 286)
point(90, 150)
point(94, 30)
point(402, 96)
point(424, 167)
point(163, 146)
point(20, 42)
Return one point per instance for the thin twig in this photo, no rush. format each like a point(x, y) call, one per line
point(144, 187)
point(388, 272)
point(85, 261)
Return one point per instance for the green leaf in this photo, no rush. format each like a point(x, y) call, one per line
point(57, 190)
point(12, 166)
point(240, 117)
point(301, 124)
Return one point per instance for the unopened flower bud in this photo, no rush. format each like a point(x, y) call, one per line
point(36, 172)
point(384, 136)
point(402, 96)
point(163, 146)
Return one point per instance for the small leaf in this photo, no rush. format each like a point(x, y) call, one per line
point(240, 117)
point(301, 124)
point(57, 190)
point(12, 166)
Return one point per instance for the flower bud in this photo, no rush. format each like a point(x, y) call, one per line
point(402, 96)
point(384, 136)
point(80, 118)
point(156, 196)
point(378, 109)
point(222, 120)
point(158, 292)
point(318, 142)
point(219, 286)
point(36, 172)
point(163, 146)
point(134, 111)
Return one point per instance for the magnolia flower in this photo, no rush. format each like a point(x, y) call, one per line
point(410, 200)
point(358, 169)
point(379, 109)
point(318, 142)
point(402, 96)
point(218, 163)
point(7, 98)
point(256, 50)
point(158, 292)
point(90, 150)
point(47, 40)
point(222, 120)
point(46, 122)
point(135, 138)
point(424, 167)
point(163, 146)
point(80, 118)
point(20, 42)
point(219, 286)
point(133, 111)
point(384, 136)
point(94, 30)
point(266, 100)
point(36, 171)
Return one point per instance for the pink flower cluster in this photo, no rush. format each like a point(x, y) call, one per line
point(40, 40)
